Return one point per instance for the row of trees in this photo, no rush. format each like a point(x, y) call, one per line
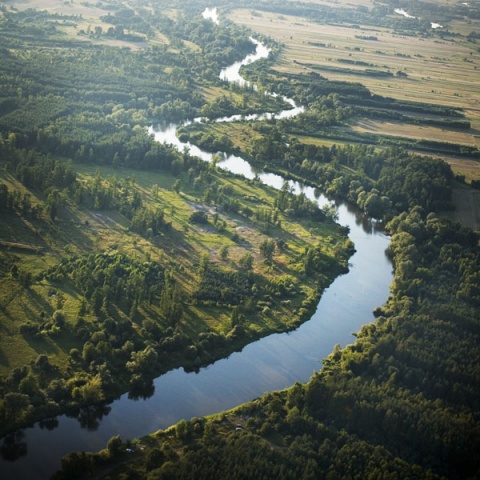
point(381, 182)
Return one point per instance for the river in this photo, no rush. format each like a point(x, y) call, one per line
point(272, 363)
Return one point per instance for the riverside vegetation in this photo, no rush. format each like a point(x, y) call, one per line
point(401, 402)
point(122, 258)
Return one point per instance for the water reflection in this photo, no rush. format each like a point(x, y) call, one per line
point(142, 391)
point(13, 446)
point(90, 417)
point(49, 423)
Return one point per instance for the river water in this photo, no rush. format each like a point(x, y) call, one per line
point(272, 363)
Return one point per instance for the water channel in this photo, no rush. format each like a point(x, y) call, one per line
point(272, 363)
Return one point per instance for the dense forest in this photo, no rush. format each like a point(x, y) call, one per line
point(120, 250)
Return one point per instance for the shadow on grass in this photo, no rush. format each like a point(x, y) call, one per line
point(43, 345)
point(38, 303)
point(4, 359)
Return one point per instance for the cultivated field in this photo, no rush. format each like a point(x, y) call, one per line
point(438, 71)
point(409, 130)
point(88, 17)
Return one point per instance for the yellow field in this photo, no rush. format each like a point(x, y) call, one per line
point(439, 72)
point(416, 131)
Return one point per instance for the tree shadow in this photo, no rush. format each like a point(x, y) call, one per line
point(39, 302)
point(4, 359)
point(49, 423)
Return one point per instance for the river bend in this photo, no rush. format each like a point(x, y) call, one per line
point(272, 363)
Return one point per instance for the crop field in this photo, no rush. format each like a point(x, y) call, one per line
point(409, 130)
point(88, 17)
point(436, 70)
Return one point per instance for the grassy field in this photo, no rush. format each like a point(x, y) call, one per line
point(34, 246)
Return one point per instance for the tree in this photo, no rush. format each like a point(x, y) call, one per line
point(154, 458)
point(267, 248)
point(246, 261)
point(181, 430)
point(3, 196)
point(177, 185)
point(28, 384)
point(199, 217)
point(75, 464)
point(223, 252)
point(204, 263)
point(15, 405)
point(114, 445)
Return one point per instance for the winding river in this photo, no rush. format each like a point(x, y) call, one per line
point(272, 363)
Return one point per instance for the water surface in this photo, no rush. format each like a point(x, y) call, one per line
point(272, 363)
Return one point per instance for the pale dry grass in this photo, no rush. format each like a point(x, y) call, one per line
point(439, 72)
point(462, 166)
point(415, 132)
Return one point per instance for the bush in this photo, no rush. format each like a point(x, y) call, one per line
point(199, 217)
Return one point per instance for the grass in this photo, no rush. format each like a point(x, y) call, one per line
point(79, 231)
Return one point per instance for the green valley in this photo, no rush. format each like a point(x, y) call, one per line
point(122, 258)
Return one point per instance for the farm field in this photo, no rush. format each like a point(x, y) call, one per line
point(415, 131)
point(88, 18)
point(438, 71)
